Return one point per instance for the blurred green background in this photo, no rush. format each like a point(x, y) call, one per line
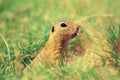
point(25, 24)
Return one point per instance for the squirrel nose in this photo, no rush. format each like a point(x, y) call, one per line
point(77, 28)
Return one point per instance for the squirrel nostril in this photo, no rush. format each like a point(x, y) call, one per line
point(77, 28)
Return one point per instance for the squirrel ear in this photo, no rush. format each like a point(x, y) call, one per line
point(53, 29)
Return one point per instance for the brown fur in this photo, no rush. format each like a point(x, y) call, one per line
point(56, 46)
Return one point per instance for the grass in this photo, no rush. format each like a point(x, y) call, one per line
point(24, 29)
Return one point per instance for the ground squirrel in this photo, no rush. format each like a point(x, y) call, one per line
point(56, 46)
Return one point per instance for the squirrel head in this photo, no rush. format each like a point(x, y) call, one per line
point(64, 30)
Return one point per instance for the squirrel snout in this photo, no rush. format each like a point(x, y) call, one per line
point(77, 28)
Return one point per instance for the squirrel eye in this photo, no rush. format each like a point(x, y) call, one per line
point(63, 25)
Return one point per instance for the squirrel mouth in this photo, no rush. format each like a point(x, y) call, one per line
point(73, 35)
